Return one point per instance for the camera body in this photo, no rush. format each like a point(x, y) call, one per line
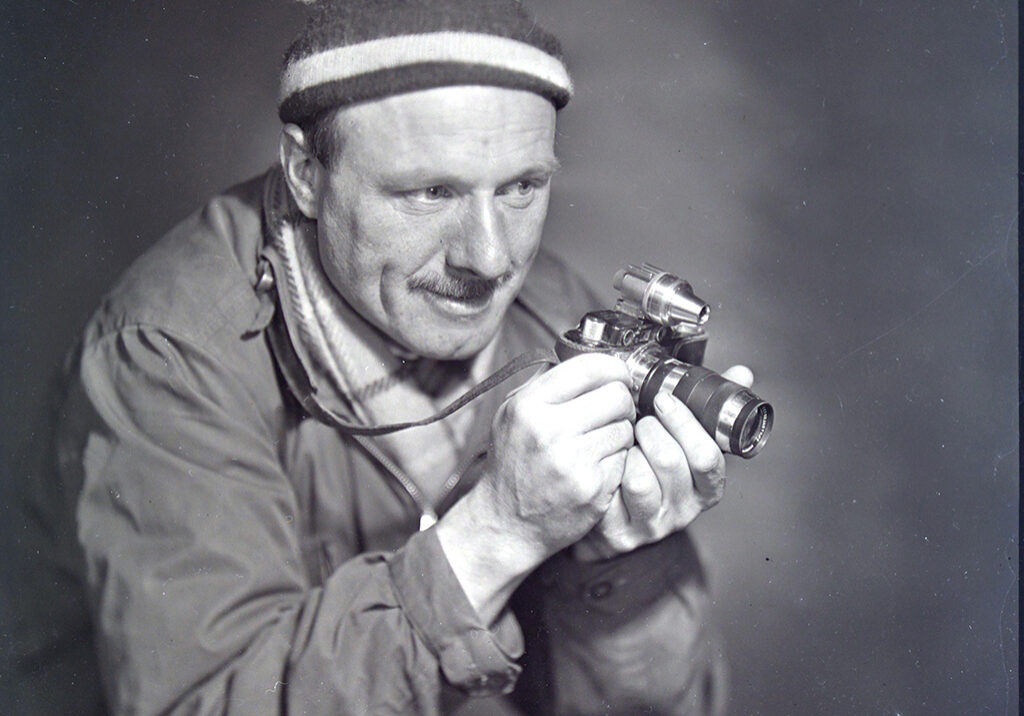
point(658, 328)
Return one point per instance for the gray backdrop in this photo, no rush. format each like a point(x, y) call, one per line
point(836, 178)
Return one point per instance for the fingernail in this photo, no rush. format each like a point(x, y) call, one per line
point(664, 403)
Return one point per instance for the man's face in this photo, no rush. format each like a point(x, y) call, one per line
point(431, 215)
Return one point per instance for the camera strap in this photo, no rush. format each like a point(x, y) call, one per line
point(525, 361)
point(298, 381)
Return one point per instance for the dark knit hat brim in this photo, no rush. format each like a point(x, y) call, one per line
point(410, 78)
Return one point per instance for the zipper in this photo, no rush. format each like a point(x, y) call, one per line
point(428, 515)
point(299, 383)
point(456, 477)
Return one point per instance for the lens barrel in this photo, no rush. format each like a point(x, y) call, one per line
point(738, 420)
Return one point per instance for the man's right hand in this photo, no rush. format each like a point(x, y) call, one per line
point(559, 448)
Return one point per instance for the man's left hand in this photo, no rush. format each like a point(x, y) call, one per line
point(673, 473)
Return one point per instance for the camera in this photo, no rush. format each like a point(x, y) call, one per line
point(657, 328)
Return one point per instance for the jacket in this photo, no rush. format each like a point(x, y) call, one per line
point(201, 542)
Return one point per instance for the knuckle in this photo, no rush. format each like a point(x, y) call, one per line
point(528, 415)
point(716, 493)
point(681, 420)
point(664, 457)
point(503, 416)
point(647, 429)
point(632, 542)
point(706, 458)
point(641, 493)
point(650, 423)
point(616, 395)
point(512, 410)
point(659, 530)
point(624, 433)
point(623, 397)
point(625, 542)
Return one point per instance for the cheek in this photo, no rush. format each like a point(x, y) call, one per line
point(394, 249)
point(403, 246)
point(340, 260)
point(525, 232)
point(368, 239)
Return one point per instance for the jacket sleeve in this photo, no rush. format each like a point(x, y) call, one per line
point(625, 635)
point(200, 600)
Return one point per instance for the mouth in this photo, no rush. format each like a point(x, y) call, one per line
point(460, 297)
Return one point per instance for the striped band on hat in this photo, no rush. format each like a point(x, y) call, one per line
point(358, 51)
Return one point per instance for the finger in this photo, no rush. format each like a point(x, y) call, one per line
point(608, 440)
point(704, 458)
point(616, 518)
point(613, 527)
point(740, 374)
point(641, 490)
point(590, 549)
point(608, 403)
point(609, 537)
point(667, 460)
point(579, 375)
point(610, 473)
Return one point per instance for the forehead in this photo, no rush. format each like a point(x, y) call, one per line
point(471, 129)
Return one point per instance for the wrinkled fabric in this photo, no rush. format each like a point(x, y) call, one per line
point(197, 543)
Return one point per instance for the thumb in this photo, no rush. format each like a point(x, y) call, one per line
point(740, 374)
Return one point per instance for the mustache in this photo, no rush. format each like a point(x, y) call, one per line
point(463, 288)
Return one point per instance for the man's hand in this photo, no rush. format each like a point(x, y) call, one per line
point(559, 448)
point(675, 472)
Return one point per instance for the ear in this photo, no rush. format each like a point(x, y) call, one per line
point(302, 170)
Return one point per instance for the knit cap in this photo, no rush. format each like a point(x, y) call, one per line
point(357, 50)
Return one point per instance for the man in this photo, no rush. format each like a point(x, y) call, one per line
point(243, 548)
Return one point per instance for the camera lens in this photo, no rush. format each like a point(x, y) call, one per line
point(753, 429)
point(738, 420)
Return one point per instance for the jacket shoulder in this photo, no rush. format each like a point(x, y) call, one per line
point(198, 279)
point(556, 294)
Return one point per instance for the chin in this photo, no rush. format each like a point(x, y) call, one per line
point(455, 350)
point(454, 345)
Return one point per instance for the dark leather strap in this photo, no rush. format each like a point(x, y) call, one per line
point(530, 359)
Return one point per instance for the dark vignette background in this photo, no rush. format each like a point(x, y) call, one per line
point(836, 178)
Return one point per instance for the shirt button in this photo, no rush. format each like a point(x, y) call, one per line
point(600, 590)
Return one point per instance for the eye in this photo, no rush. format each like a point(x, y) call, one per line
point(521, 192)
point(426, 198)
point(433, 193)
point(520, 187)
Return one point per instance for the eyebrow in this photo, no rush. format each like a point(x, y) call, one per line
point(543, 168)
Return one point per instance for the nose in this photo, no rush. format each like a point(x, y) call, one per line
point(480, 243)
